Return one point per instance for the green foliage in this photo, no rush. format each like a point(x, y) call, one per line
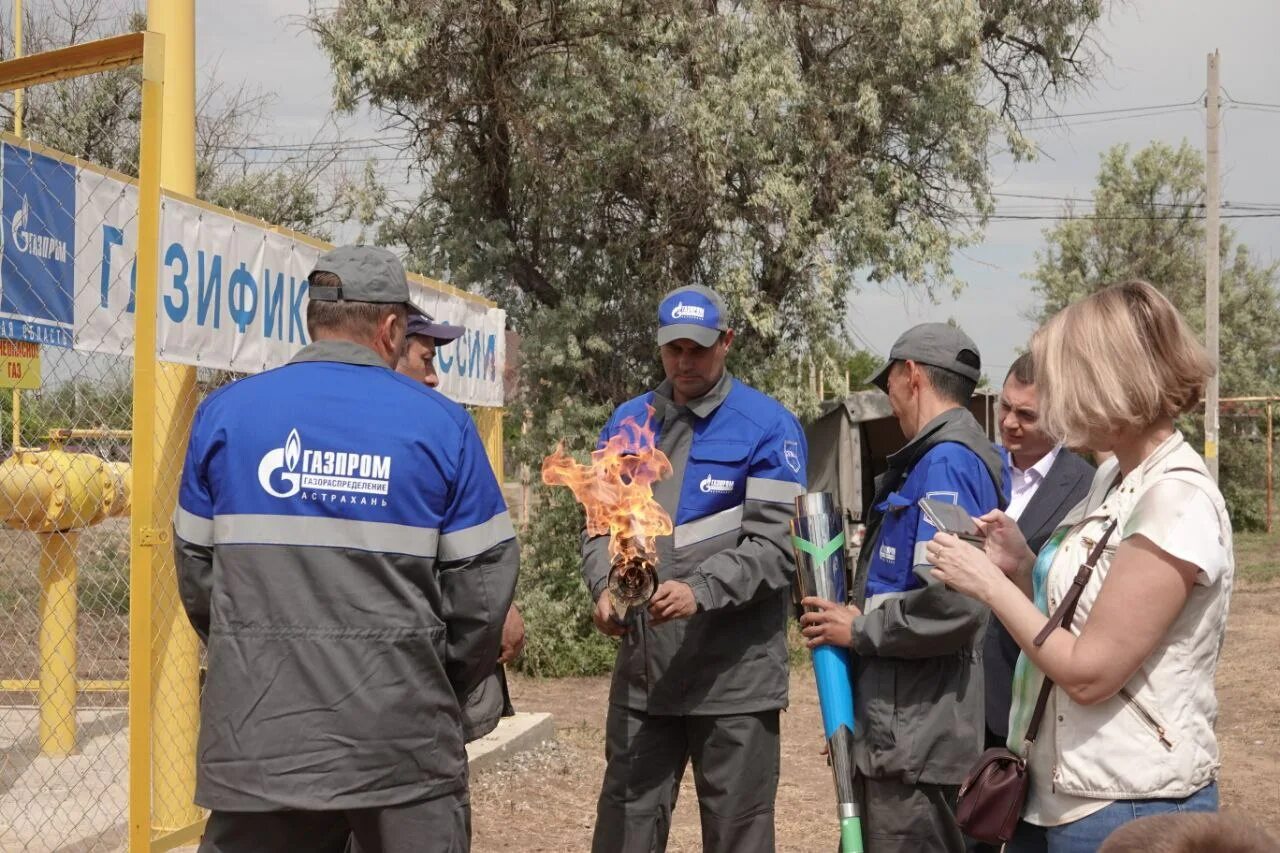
point(553, 601)
point(280, 198)
point(1148, 224)
point(860, 365)
point(583, 157)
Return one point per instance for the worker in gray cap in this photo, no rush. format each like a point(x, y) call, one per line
point(345, 553)
point(917, 645)
point(488, 703)
point(701, 674)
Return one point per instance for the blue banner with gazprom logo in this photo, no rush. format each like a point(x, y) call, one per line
point(37, 258)
point(232, 292)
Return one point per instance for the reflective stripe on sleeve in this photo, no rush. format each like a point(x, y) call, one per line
point(773, 491)
point(726, 521)
point(471, 541)
point(192, 528)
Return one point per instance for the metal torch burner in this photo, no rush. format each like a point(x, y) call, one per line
point(632, 582)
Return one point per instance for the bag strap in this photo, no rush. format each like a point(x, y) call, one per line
point(1062, 617)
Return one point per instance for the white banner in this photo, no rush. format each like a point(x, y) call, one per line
point(106, 263)
point(232, 292)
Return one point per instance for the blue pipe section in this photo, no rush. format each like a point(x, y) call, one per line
point(835, 691)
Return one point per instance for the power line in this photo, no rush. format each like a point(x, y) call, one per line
point(367, 142)
point(1263, 110)
point(1044, 125)
point(388, 141)
point(1191, 103)
point(1013, 217)
point(862, 340)
point(1263, 104)
point(1083, 200)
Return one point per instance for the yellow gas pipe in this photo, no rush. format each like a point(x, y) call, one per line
point(55, 494)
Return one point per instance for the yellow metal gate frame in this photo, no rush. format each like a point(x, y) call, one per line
point(147, 532)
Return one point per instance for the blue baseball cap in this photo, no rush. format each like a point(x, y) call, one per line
point(694, 312)
point(425, 326)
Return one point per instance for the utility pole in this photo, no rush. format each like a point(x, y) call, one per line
point(1213, 194)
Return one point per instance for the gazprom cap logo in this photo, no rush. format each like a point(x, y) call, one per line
point(688, 312)
point(286, 471)
point(689, 306)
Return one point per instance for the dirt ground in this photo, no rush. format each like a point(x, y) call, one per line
point(545, 800)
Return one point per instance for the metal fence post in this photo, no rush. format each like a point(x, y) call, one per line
point(143, 528)
point(177, 649)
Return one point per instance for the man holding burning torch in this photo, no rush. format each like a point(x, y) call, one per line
point(702, 671)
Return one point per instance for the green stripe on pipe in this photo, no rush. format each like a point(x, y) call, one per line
point(851, 835)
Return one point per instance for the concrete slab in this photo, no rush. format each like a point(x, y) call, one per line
point(78, 803)
point(513, 735)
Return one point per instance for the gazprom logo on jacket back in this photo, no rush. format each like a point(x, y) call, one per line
point(298, 468)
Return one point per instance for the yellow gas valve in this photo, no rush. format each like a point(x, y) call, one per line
point(50, 490)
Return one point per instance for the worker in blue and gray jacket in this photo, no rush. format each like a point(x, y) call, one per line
point(702, 672)
point(918, 674)
point(345, 553)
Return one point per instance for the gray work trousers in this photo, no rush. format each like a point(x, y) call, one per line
point(438, 825)
point(735, 770)
point(900, 818)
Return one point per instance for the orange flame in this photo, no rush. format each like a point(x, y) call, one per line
point(616, 489)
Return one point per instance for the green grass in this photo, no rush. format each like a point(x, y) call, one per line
point(1257, 557)
point(103, 583)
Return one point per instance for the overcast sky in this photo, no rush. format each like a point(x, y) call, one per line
point(1157, 51)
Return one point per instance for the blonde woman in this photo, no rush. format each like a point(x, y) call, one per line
point(1128, 730)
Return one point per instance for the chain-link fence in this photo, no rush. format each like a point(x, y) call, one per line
point(64, 503)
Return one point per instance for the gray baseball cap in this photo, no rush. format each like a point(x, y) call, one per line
point(367, 273)
point(937, 344)
point(694, 312)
